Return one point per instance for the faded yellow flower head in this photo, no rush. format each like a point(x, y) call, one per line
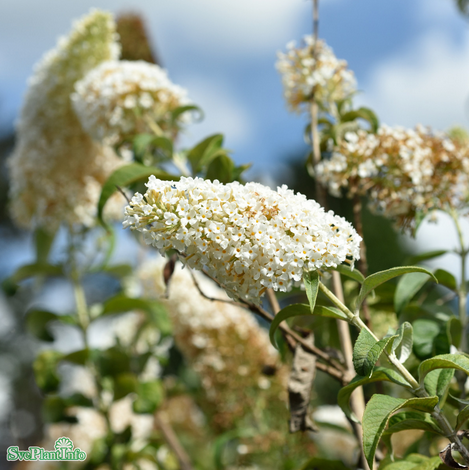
point(56, 169)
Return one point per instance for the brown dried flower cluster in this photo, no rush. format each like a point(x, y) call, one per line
point(223, 343)
point(406, 173)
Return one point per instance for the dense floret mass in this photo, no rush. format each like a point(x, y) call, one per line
point(56, 169)
point(120, 99)
point(313, 68)
point(249, 237)
point(403, 171)
point(222, 342)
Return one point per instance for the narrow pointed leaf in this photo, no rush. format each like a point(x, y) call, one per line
point(447, 279)
point(415, 461)
point(402, 345)
point(311, 282)
point(295, 310)
point(201, 154)
point(407, 287)
point(372, 281)
point(346, 271)
point(379, 374)
point(43, 241)
point(462, 418)
point(125, 176)
point(411, 421)
point(155, 310)
point(378, 412)
point(456, 361)
point(366, 352)
point(437, 383)
point(426, 256)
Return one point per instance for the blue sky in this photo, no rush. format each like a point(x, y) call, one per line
point(411, 59)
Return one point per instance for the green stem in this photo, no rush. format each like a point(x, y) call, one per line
point(462, 300)
point(414, 384)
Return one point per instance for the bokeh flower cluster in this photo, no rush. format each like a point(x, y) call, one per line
point(403, 171)
point(120, 99)
point(57, 171)
point(313, 68)
point(223, 343)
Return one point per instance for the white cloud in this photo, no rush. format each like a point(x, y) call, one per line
point(428, 84)
point(223, 114)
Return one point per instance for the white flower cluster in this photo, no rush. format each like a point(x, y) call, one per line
point(306, 70)
point(56, 169)
point(403, 171)
point(249, 237)
point(117, 99)
point(223, 343)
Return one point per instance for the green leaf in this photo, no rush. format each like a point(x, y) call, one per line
point(201, 154)
point(124, 384)
point(290, 311)
point(111, 362)
point(437, 383)
point(378, 412)
point(54, 410)
point(426, 256)
point(456, 361)
point(35, 269)
point(411, 420)
point(407, 287)
point(37, 323)
point(330, 311)
point(367, 351)
point(43, 241)
point(311, 282)
point(186, 108)
point(118, 271)
point(147, 142)
point(323, 463)
point(79, 357)
point(415, 461)
point(156, 311)
point(149, 396)
point(239, 170)
point(425, 333)
point(362, 113)
point(402, 345)
point(462, 418)
point(379, 374)
point(125, 176)
point(220, 168)
point(445, 278)
point(354, 274)
point(45, 370)
point(372, 281)
point(295, 310)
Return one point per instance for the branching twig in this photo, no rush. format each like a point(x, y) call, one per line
point(334, 368)
point(172, 440)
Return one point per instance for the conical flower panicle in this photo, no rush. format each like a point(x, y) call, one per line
point(56, 169)
point(120, 99)
point(327, 76)
point(249, 237)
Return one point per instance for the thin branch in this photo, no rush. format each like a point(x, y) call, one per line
point(172, 440)
point(122, 192)
point(335, 369)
